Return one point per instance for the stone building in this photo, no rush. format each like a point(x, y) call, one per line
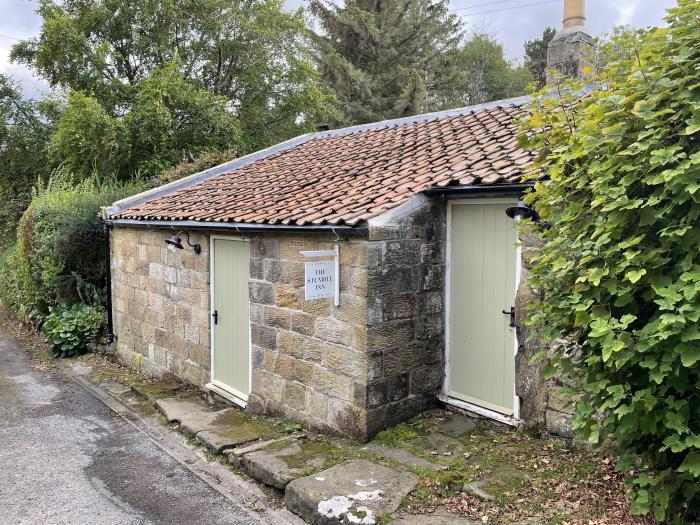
point(347, 279)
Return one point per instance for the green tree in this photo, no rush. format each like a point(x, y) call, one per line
point(172, 120)
point(25, 129)
point(386, 59)
point(485, 74)
point(619, 271)
point(88, 139)
point(536, 56)
point(250, 52)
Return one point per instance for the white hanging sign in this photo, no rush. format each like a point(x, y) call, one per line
point(321, 277)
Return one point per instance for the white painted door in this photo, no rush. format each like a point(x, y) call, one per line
point(483, 258)
point(230, 312)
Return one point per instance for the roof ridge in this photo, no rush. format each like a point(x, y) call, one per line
point(422, 117)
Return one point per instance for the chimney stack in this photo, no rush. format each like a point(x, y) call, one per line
point(571, 50)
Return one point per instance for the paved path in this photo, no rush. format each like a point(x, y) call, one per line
point(65, 458)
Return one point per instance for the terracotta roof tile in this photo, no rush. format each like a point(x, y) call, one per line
point(348, 176)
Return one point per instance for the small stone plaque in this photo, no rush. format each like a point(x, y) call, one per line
point(319, 278)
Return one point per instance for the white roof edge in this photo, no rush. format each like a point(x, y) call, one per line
point(227, 167)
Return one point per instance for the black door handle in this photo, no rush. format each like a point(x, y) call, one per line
point(215, 315)
point(510, 312)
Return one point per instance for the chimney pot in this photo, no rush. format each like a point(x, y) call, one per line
point(574, 13)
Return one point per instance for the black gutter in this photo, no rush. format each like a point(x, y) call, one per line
point(240, 227)
point(496, 189)
point(108, 267)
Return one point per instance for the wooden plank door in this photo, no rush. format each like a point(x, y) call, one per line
point(483, 259)
point(230, 310)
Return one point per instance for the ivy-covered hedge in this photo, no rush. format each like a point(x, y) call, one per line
point(620, 268)
point(59, 257)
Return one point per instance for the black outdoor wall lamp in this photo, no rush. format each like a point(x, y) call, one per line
point(522, 211)
point(176, 241)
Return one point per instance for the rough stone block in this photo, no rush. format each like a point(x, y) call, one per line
point(352, 309)
point(401, 306)
point(290, 248)
point(429, 327)
point(295, 396)
point(272, 270)
point(403, 410)
point(333, 331)
point(302, 323)
point(344, 361)
point(265, 246)
point(316, 404)
point(427, 379)
point(312, 350)
point(390, 335)
point(287, 297)
point(290, 344)
point(355, 492)
point(284, 367)
point(255, 269)
point(267, 385)
point(277, 317)
point(317, 307)
point(261, 292)
point(263, 336)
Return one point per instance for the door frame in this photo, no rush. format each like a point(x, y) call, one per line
point(226, 391)
point(513, 420)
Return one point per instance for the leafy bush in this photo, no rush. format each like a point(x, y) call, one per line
point(70, 330)
point(59, 257)
point(619, 271)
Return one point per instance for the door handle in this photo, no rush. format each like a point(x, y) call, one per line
point(215, 315)
point(511, 312)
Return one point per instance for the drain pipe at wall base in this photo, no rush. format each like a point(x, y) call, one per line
point(108, 267)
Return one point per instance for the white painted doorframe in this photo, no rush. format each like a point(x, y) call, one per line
point(513, 420)
point(240, 398)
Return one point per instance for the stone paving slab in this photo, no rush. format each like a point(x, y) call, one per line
point(492, 485)
point(438, 444)
point(155, 391)
point(456, 424)
point(358, 491)
point(192, 414)
point(217, 430)
point(400, 456)
point(277, 466)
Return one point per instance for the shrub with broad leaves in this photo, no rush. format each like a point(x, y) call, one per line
point(71, 330)
point(619, 271)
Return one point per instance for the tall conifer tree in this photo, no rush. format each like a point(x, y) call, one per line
point(386, 58)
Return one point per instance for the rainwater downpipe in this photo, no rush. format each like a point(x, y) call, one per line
point(108, 267)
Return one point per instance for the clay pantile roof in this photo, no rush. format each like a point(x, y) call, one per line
point(343, 177)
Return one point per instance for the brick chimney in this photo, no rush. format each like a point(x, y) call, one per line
point(571, 49)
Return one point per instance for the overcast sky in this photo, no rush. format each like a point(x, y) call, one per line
point(510, 21)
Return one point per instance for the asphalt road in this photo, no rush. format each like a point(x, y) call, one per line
point(65, 458)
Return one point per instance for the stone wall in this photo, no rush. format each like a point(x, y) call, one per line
point(405, 330)
point(310, 360)
point(541, 406)
point(372, 362)
point(161, 304)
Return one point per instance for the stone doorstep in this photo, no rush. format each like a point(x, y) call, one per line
point(155, 391)
point(217, 430)
point(439, 445)
point(273, 468)
point(356, 491)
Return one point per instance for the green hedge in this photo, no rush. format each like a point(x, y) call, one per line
point(59, 254)
point(619, 272)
